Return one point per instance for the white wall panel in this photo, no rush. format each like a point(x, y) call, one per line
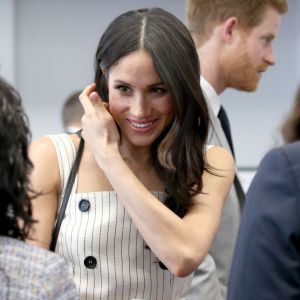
point(7, 40)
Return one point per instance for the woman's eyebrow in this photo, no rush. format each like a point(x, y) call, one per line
point(118, 81)
point(156, 84)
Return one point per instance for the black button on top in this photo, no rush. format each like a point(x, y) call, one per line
point(90, 262)
point(84, 205)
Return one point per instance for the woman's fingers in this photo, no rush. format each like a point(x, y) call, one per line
point(90, 99)
point(85, 100)
point(95, 99)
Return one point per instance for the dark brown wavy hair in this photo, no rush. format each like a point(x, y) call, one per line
point(178, 154)
point(15, 204)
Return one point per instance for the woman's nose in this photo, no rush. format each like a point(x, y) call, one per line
point(140, 108)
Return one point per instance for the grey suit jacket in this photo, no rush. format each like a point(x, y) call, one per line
point(211, 278)
point(31, 273)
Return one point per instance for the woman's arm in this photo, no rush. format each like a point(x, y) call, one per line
point(180, 243)
point(44, 179)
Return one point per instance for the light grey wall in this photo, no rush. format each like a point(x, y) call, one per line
point(55, 45)
point(7, 38)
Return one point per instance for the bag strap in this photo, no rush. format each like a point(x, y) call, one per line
point(68, 190)
point(239, 191)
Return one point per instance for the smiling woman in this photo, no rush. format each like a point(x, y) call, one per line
point(139, 101)
point(146, 202)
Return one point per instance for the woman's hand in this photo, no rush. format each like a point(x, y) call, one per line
point(100, 131)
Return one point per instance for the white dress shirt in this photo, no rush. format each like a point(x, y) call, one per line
point(211, 95)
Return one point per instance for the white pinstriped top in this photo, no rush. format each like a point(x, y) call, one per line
point(121, 267)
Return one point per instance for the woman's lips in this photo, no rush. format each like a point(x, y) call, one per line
point(141, 126)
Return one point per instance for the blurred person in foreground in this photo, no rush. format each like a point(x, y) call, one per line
point(26, 272)
point(266, 262)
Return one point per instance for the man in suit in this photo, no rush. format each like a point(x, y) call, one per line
point(234, 43)
point(266, 263)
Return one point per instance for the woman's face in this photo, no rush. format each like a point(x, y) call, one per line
point(138, 99)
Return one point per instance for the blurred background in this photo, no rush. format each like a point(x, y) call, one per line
point(47, 51)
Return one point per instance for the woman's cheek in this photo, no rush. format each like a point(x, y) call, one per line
point(168, 107)
point(115, 110)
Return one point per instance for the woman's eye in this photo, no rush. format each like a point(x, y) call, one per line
point(158, 90)
point(123, 88)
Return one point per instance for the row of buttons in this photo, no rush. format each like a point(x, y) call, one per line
point(90, 261)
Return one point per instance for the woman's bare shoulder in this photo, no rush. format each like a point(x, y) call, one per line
point(220, 158)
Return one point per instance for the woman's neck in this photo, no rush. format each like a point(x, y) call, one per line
point(136, 155)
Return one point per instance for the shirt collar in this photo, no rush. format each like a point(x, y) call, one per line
point(210, 95)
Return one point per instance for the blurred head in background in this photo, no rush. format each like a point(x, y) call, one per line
point(72, 113)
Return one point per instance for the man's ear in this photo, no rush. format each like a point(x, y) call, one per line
point(229, 28)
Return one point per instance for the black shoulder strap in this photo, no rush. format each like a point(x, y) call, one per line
point(68, 190)
point(239, 191)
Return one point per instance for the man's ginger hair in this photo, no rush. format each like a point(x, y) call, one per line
point(204, 15)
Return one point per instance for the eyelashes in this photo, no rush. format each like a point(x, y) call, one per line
point(122, 89)
point(126, 90)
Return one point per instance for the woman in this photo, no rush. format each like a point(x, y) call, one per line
point(26, 272)
point(147, 199)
